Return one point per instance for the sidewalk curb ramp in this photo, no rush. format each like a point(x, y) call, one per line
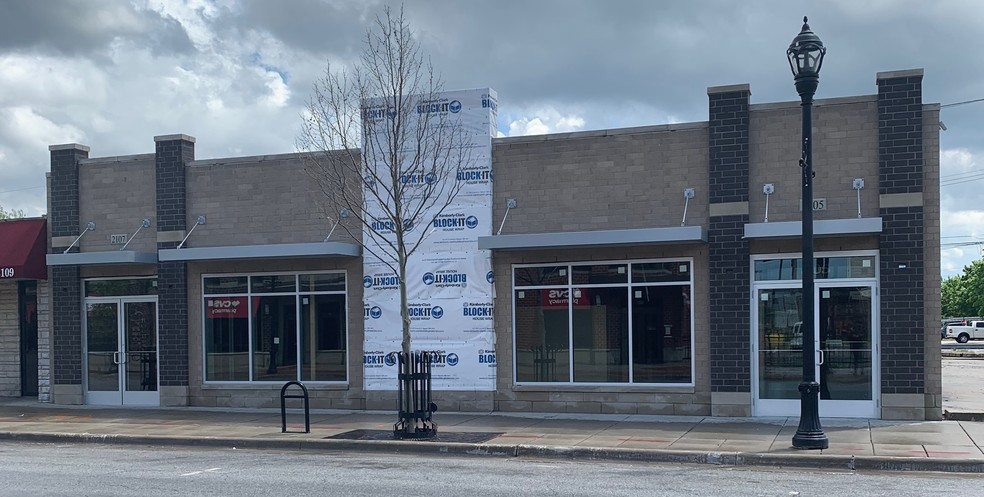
point(805, 460)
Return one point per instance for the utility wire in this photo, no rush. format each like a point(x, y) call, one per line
point(965, 102)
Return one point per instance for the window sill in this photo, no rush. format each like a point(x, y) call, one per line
point(242, 385)
point(610, 388)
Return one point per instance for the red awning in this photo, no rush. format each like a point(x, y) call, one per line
point(23, 243)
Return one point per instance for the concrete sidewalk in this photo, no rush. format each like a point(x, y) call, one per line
point(951, 446)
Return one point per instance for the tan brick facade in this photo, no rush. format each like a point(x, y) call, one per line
point(596, 181)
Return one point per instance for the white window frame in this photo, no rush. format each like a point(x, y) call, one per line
point(629, 286)
point(298, 294)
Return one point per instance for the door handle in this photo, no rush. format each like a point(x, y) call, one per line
point(116, 358)
point(821, 357)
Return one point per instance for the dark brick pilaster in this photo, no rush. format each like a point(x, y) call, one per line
point(66, 293)
point(900, 155)
point(730, 342)
point(173, 152)
point(66, 325)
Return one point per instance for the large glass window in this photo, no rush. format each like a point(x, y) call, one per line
point(612, 322)
point(275, 327)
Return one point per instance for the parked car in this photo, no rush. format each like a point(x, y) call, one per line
point(951, 322)
point(962, 334)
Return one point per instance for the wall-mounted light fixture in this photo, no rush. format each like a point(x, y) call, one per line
point(143, 224)
point(768, 189)
point(859, 185)
point(342, 214)
point(688, 193)
point(200, 221)
point(510, 205)
point(90, 226)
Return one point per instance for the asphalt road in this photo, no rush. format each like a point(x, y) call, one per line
point(94, 470)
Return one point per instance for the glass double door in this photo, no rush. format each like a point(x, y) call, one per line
point(121, 351)
point(845, 341)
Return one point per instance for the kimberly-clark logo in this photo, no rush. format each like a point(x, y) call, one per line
point(490, 277)
point(440, 358)
point(381, 281)
point(374, 359)
point(386, 226)
point(472, 176)
point(486, 357)
point(418, 178)
point(488, 102)
point(390, 359)
point(446, 279)
point(477, 311)
point(424, 312)
point(454, 222)
point(373, 312)
point(438, 106)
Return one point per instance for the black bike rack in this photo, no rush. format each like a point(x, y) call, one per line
point(283, 406)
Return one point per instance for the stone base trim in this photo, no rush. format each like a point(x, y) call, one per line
point(908, 406)
point(731, 404)
point(67, 394)
point(174, 396)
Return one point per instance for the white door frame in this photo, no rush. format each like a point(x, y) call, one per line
point(121, 396)
point(827, 408)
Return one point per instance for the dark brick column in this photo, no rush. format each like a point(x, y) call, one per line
point(66, 299)
point(173, 152)
point(730, 342)
point(900, 156)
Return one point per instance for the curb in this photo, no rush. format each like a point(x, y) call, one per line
point(963, 416)
point(962, 354)
point(787, 460)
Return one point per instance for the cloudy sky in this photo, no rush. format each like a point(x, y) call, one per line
point(236, 73)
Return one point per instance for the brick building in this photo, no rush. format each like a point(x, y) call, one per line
point(639, 270)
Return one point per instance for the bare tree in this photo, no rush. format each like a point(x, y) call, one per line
point(381, 149)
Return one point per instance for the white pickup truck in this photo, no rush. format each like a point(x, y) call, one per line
point(973, 331)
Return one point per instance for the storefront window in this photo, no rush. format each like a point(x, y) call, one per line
point(273, 332)
point(825, 268)
point(623, 322)
point(120, 287)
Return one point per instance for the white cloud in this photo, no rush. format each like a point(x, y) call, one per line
point(279, 92)
point(543, 121)
point(22, 125)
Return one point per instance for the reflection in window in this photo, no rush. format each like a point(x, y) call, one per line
point(542, 335)
point(274, 333)
point(601, 328)
point(601, 335)
point(226, 338)
point(661, 334)
point(323, 338)
point(274, 339)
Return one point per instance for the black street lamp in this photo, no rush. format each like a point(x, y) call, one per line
point(805, 56)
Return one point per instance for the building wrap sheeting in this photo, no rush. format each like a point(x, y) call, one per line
point(449, 280)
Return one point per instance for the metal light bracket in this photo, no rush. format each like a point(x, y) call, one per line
point(688, 193)
point(143, 224)
point(342, 214)
point(510, 205)
point(200, 221)
point(859, 185)
point(768, 189)
point(90, 226)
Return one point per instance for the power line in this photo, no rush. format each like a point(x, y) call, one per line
point(965, 102)
point(22, 189)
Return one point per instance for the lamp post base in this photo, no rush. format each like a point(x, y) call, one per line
point(810, 434)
